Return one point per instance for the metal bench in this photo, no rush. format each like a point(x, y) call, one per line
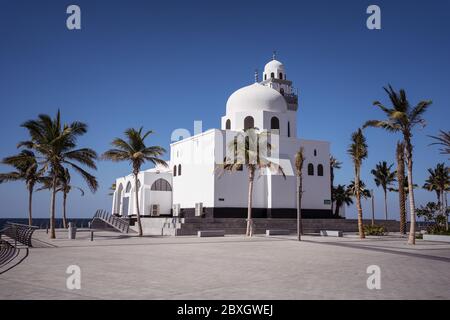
point(210, 233)
point(19, 233)
point(277, 232)
point(330, 233)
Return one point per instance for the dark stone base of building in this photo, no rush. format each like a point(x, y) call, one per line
point(277, 213)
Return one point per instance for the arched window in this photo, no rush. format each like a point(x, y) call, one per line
point(315, 152)
point(174, 170)
point(228, 124)
point(272, 75)
point(275, 123)
point(249, 122)
point(179, 169)
point(128, 188)
point(161, 185)
point(281, 76)
point(289, 129)
point(282, 91)
point(320, 170)
point(265, 77)
point(310, 169)
point(118, 199)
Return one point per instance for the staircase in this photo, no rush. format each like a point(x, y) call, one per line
point(235, 225)
point(103, 218)
point(189, 226)
point(160, 226)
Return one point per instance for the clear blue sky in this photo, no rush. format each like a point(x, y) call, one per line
point(164, 64)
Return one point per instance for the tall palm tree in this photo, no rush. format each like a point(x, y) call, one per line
point(26, 169)
point(444, 140)
point(63, 185)
point(299, 160)
point(134, 150)
point(439, 181)
point(405, 191)
point(400, 155)
point(342, 196)
point(250, 149)
point(358, 152)
point(401, 117)
point(56, 145)
point(363, 191)
point(384, 177)
point(334, 164)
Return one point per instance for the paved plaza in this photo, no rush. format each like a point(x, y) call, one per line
point(114, 266)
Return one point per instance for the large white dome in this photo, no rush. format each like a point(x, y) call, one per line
point(256, 97)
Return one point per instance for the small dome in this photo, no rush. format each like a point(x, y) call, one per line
point(274, 66)
point(256, 97)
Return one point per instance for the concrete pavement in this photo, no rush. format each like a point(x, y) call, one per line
point(121, 267)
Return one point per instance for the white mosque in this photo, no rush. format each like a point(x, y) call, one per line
point(191, 185)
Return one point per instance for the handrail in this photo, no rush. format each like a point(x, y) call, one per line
point(115, 222)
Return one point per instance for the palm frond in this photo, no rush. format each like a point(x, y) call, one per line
point(91, 181)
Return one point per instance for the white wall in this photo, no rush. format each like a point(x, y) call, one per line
point(201, 181)
point(146, 197)
point(196, 182)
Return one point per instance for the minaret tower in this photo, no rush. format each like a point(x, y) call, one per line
point(274, 77)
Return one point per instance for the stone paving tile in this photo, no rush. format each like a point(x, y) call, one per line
point(230, 268)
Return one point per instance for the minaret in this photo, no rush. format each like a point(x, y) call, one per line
point(274, 76)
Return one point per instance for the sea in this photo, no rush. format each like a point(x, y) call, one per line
point(43, 223)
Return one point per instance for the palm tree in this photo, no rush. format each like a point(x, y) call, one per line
point(444, 140)
point(439, 181)
point(64, 186)
point(363, 191)
point(26, 167)
point(358, 152)
point(250, 149)
point(401, 117)
point(334, 164)
point(299, 160)
point(134, 150)
point(384, 177)
point(400, 155)
point(341, 196)
point(405, 191)
point(56, 144)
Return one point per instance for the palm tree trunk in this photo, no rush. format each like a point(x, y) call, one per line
point(446, 215)
point(64, 210)
point(373, 208)
point(52, 210)
point(358, 206)
point(30, 207)
point(412, 208)
point(332, 183)
point(138, 214)
point(299, 208)
point(249, 231)
point(402, 203)
point(336, 212)
point(385, 205)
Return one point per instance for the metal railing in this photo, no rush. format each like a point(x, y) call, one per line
point(291, 98)
point(117, 223)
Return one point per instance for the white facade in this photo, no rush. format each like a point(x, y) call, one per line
point(152, 194)
point(199, 187)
